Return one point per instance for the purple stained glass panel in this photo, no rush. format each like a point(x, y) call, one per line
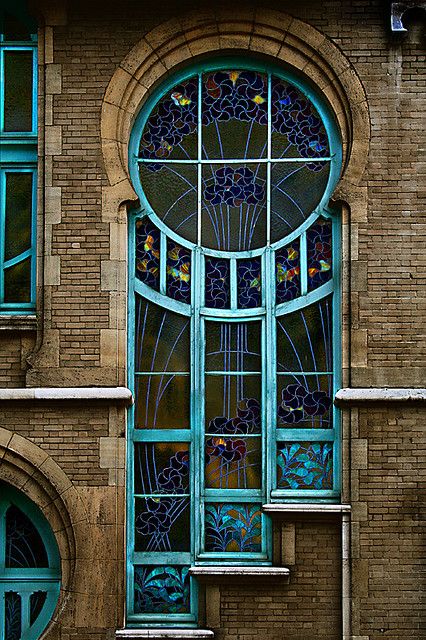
point(249, 283)
point(304, 402)
point(161, 589)
point(233, 404)
point(162, 524)
point(217, 283)
point(318, 241)
point(287, 265)
point(178, 272)
point(305, 465)
point(233, 528)
point(161, 467)
point(233, 463)
point(148, 253)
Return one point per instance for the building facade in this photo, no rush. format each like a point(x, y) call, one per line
point(212, 320)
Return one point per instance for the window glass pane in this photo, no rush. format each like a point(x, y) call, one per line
point(171, 129)
point(162, 589)
point(234, 206)
point(37, 601)
point(148, 253)
point(233, 463)
point(233, 346)
point(13, 613)
point(218, 287)
point(162, 402)
point(162, 524)
point(249, 283)
point(305, 402)
point(162, 339)
point(318, 239)
point(171, 190)
point(233, 528)
point(297, 129)
point(287, 262)
point(234, 114)
point(24, 546)
point(305, 465)
point(178, 272)
point(17, 282)
point(304, 339)
point(296, 189)
point(161, 467)
point(233, 404)
point(18, 213)
point(18, 88)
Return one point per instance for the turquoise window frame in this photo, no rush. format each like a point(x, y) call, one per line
point(18, 155)
point(26, 581)
point(199, 314)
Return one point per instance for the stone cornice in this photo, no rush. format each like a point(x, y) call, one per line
point(106, 394)
point(351, 396)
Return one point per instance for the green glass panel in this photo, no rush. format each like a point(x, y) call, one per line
point(17, 282)
point(37, 600)
point(305, 402)
point(18, 213)
point(161, 467)
point(162, 524)
point(162, 402)
point(233, 404)
point(18, 90)
point(171, 190)
point(233, 463)
point(13, 614)
point(233, 528)
point(305, 465)
point(161, 589)
point(233, 346)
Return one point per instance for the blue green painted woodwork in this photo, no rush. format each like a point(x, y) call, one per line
point(234, 323)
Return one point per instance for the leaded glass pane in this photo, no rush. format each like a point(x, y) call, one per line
point(162, 589)
point(234, 114)
point(17, 282)
point(162, 402)
point(305, 401)
point(233, 528)
point(37, 600)
point(305, 465)
point(233, 404)
point(217, 283)
point(24, 546)
point(171, 190)
point(18, 91)
point(233, 214)
point(178, 272)
point(161, 467)
point(171, 130)
point(233, 346)
point(148, 253)
point(304, 339)
point(19, 188)
point(287, 264)
point(162, 524)
point(13, 613)
point(318, 240)
point(249, 283)
point(233, 463)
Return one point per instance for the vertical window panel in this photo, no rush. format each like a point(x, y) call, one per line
point(287, 264)
point(249, 283)
point(18, 210)
point(18, 91)
point(148, 253)
point(178, 272)
point(17, 282)
point(217, 283)
point(13, 614)
point(319, 253)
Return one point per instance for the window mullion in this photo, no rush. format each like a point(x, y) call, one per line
point(270, 367)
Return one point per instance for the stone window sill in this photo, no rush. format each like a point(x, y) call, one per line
point(18, 323)
point(163, 634)
point(360, 396)
point(111, 394)
point(295, 507)
point(224, 573)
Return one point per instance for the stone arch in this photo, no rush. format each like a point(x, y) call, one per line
point(261, 32)
point(28, 468)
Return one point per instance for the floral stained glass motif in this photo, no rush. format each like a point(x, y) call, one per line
point(305, 465)
point(178, 272)
point(233, 463)
point(12, 622)
point(161, 589)
point(233, 528)
point(161, 468)
point(249, 283)
point(217, 292)
point(304, 402)
point(319, 253)
point(148, 253)
point(162, 524)
point(287, 262)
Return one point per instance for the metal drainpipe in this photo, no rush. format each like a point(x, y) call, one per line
point(346, 577)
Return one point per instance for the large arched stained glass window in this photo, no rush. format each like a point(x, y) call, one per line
point(29, 568)
point(234, 314)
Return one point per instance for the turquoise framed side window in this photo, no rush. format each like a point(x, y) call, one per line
point(18, 159)
point(234, 323)
point(29, 568)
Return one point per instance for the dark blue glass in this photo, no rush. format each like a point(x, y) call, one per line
point(319, 250)
point(249, 283)
point(287, 262)
point(217, 292)
point(178, 272)
point(161, 589)
point(148, 253)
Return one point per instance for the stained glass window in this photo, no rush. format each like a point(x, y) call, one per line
point(234, 316)
point(18, 140)
point(30, 573)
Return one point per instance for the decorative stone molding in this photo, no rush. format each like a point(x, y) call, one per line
point(294, 507)
point(345, 397)
point(163, 634)
point(227, 574)
point(109, 394)
point(18, 323)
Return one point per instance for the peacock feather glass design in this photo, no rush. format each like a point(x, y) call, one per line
point(287, 265)
point(148, 253)
point(249, 283)
point(233, 528)
point(305, 465)
point(161, 589)
point(178, 272)
point(319, 253)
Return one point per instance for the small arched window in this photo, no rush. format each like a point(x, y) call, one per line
point(29, 568)
point(234, 322)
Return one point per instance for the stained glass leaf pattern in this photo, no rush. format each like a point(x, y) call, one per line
point(305, 465)
point(233, 528)
point(178, 272)
point(24, 546)
point(319, 253)
point(161, 589)
point(302, 403)
point(233, 463)
point(287, 263)
point(217, 278)
point(12, 623)
point(249, 283)
point(148, 253)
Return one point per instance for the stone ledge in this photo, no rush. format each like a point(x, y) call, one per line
point(18, 323)
point(112, 394)
point(297, 507)
point(350, 396)
point(224, 573)
point(163, 634)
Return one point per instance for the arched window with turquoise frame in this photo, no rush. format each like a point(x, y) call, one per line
point(234, 323)
point(29, 568)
